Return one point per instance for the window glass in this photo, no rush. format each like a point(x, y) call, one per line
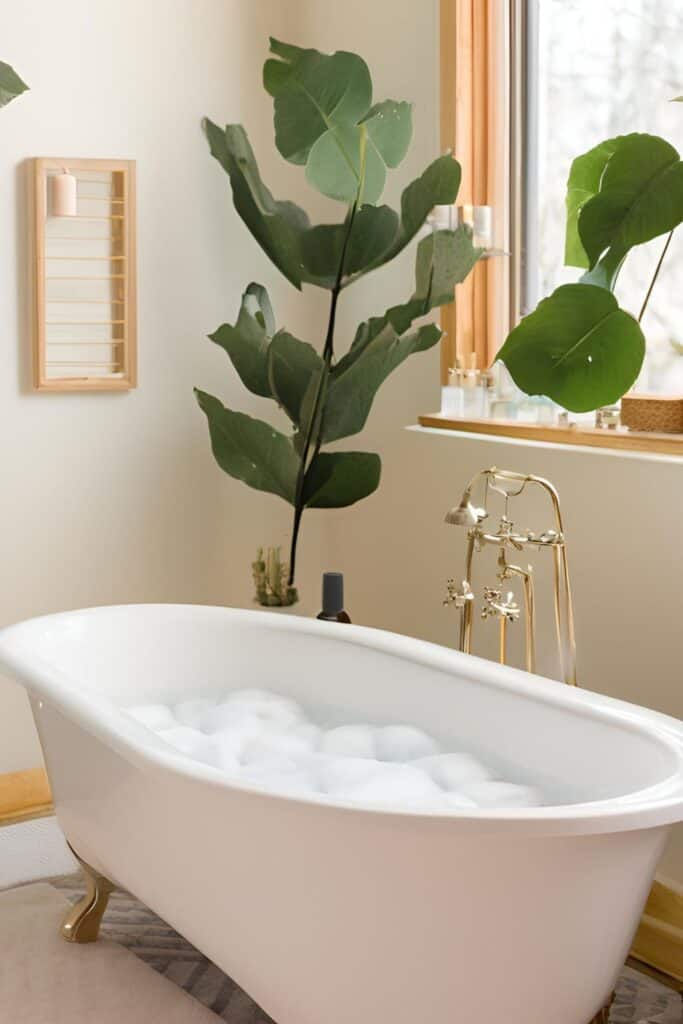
point(600, 68)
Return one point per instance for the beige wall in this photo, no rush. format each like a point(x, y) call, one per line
point(110, 498)
point(116, 498)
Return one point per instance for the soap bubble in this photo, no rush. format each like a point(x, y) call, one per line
point(339, 774)
point(404, 743)
point(291, 743)
point(395, 785)
point(268, 708)
point(350, 741)
point(265, 740)
point(191, 712)
point(452, 770)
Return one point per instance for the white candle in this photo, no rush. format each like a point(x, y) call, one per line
point(482, 225)
point(443, 217)
point(480, 220)
point(63, 195)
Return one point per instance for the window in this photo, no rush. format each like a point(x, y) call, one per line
point(526, 86)
point(584, 86)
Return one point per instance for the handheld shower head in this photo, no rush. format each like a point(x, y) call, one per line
point(465, 514)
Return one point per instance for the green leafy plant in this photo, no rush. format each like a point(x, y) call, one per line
point(326, 122)
point(578, 347)
point(11, 85)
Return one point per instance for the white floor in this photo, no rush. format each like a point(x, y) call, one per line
point(33, 850)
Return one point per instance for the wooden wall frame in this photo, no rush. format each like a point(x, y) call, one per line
point(84, 273)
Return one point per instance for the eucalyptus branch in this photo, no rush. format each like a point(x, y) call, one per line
point(315, 421)
point(325, 397)
point(655, 275)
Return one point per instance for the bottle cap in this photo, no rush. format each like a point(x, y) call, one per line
point(333, 593)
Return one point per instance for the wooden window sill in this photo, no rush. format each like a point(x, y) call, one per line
point(576, 436)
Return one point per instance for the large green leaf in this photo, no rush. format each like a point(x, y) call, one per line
point(258, 304)
point(443, 260)
point(390, 129)
point(277, 225)
point(291, 367)
point(374, 230)
point(247, 342)
point(335, 480)
point(321, 248)
point(372, 233)
point(640, 198)
point(577, 348)
point(323, 119)
point(343, 166)
point(583, 183)
point(312, 406)
point(351, 160)
point(350, 394)
point(314, 92)
point(437, 186)
point(251, 450)
point(11, 85)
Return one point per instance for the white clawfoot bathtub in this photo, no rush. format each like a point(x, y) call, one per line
point(330, 914)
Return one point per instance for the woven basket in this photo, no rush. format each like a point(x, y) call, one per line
point(658, 414)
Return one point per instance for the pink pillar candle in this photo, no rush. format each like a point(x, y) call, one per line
point(63, 195)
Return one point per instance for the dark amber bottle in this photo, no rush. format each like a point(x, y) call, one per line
point(333, 598)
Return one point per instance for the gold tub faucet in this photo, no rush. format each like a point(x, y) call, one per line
point(499, 603)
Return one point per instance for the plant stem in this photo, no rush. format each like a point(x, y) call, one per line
point(298, 512)
point(315, 420)
point(656, 275)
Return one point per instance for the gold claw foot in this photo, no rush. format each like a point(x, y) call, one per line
point(82, 922)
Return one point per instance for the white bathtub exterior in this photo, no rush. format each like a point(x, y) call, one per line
point(331, 914)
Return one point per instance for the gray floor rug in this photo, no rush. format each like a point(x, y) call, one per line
point(639, 1000)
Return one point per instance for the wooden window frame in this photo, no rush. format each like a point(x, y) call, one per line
point(481, 45)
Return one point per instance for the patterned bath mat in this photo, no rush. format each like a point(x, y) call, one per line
point(44, 981)
point(639, 999)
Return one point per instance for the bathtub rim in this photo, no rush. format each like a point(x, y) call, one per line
point(653, 806)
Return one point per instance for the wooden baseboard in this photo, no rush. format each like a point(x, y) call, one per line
point(24, 795)
point(659, 940)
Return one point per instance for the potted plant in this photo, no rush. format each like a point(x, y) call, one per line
point(326, 122)
point(579, 347)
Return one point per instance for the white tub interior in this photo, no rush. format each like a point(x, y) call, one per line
point(166, 654)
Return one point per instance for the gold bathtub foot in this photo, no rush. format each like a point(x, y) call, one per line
point(82, 922)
